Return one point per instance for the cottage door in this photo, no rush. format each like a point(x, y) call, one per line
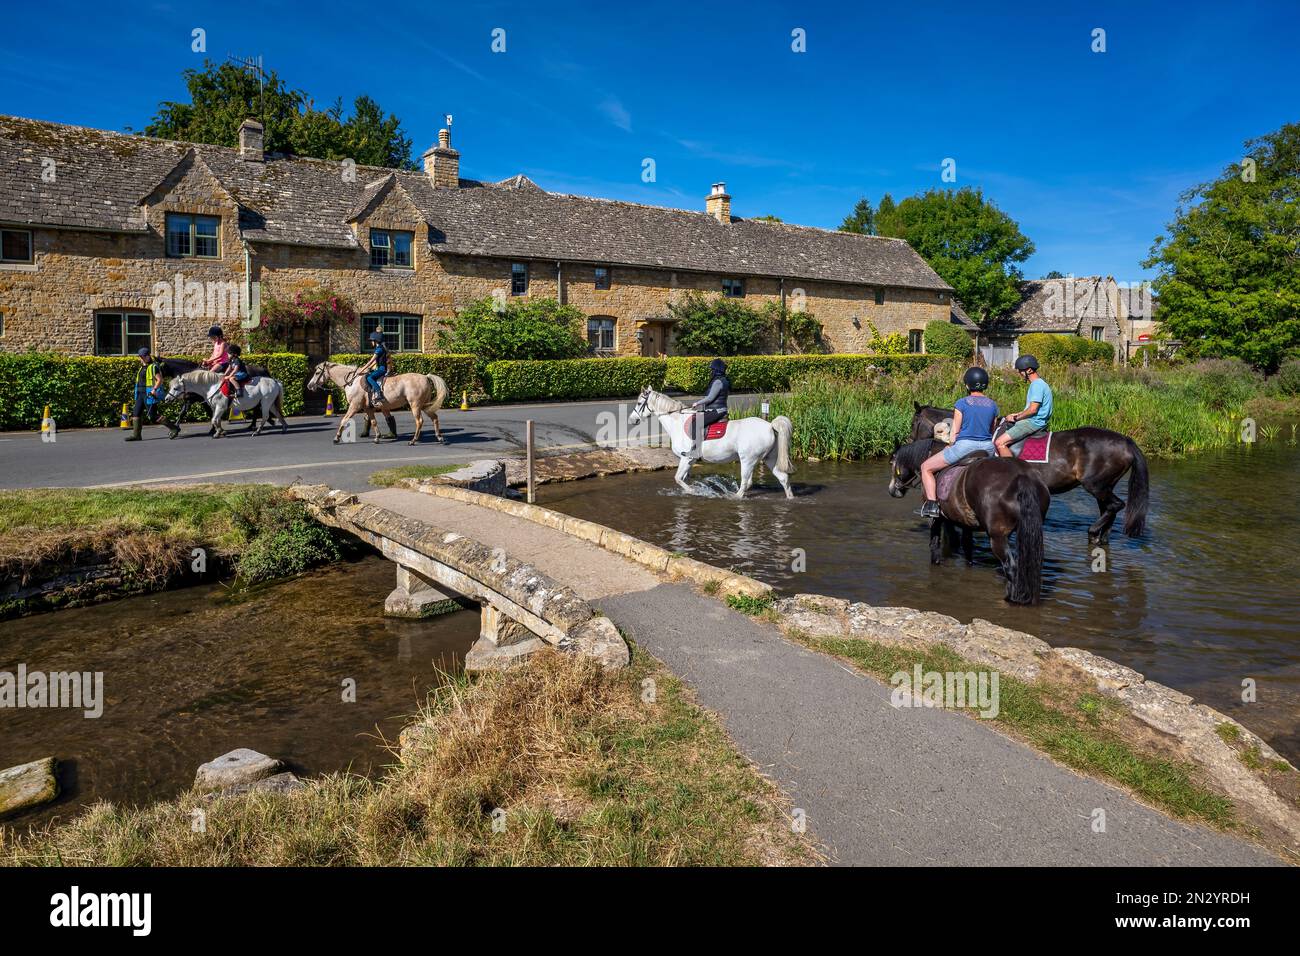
point(652, 339)
point(312, 340)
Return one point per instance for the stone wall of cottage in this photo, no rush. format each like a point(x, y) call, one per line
point(52, 304)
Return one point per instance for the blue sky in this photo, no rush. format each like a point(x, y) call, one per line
point(1088, 151)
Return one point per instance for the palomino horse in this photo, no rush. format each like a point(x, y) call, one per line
point(750, 440)
point(414, 390)
point(996, 495)
point(262, 393)
point(1096, 458)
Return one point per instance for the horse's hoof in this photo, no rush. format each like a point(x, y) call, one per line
point(336, 441)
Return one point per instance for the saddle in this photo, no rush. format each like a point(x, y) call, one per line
point(716, 430)
point(1034, 449)
point(946, 480)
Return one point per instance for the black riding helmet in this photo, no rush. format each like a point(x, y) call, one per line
point(717, 367)
point(377, 337)
point(975, 379)
point(216, 333)
point(1026, 362)
point(236, 351)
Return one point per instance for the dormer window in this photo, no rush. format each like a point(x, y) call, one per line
point(193, 237)
point(390, 249)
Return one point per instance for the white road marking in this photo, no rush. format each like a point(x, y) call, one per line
point(326, 464)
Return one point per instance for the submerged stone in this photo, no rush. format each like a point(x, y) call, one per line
point(28, 785)
point(238, 766)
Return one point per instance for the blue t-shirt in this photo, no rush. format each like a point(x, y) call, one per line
point(977, 414)
point(1042, 394)
point(381, 357)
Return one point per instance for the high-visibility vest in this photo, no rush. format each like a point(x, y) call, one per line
point(151, 375)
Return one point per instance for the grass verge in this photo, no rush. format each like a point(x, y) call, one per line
point(389, 477)
point(591, 768)
point(1079, 729)
point(147, 536)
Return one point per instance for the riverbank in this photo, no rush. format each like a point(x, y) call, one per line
point(65, 547)
point(1168, 412)
point(554, 763)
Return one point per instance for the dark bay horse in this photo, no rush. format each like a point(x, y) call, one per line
point(994, 495)
point(1096, 458)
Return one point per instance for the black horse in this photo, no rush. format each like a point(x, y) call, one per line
point(995, 495)
point(1096, 458)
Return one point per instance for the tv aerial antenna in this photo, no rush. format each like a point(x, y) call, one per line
point(254, 65)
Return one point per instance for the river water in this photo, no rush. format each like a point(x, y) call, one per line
point(194, 673)
point(1206, 600)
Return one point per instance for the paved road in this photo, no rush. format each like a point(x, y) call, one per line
point(89, 457)
point(879, 785)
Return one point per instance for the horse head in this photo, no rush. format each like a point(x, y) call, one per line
point(904, 472)
point(176, 389)
point(320, 377)
point(642, 405)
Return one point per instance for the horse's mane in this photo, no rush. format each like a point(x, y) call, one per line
point(913, 454)
point(202, 375)
point(661, 404)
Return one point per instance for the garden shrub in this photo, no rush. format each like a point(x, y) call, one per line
point(948, 340)
point(573, 378)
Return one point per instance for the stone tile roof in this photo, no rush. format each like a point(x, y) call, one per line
point(102, 177)
point(1058, 305)
point(958, 316)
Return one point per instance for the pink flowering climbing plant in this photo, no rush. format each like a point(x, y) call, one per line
point(315, 306)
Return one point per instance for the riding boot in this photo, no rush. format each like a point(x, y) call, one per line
point(136, 424)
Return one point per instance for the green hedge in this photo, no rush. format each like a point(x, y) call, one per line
point(456, 370)
point(770, 373)
point(949, 341)
point(519, 381)
point(86, 391)
point(1065, 349)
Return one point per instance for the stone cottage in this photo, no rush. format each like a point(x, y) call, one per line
point(1093, 307)
point(112, 241)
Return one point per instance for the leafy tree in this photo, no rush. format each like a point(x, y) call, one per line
point(861, 220)
point(718, 325)
point(768, 219)
point(523, 329)
point(223, 95)
point(1229, 269)
point(973, 245)
point(1054, 275)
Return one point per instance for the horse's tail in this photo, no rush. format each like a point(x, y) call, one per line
point(1135, 512)
point(439, 393)
point(1027, 576)
point(784, 428)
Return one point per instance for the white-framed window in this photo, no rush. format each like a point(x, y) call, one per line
point(1098, 333)
point(121, 332)
point(15, 245)
point(401, 330)
point(518, 278)
point(916, 340)
point(733, 288)
point(193, 237)
point(391, 249)
point(600, 333)
point(603, 280)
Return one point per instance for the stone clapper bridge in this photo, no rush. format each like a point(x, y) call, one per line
point(425, 528)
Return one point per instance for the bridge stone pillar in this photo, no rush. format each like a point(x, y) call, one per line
point(416, 596)
point(501, 642)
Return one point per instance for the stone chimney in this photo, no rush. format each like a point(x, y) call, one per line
point(442, 163)
point(718, 204)
point(250, 141)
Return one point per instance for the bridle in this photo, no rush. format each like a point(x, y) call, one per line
point(642, 407)
point(905, 485)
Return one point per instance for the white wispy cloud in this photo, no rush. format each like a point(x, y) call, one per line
point(616, 112)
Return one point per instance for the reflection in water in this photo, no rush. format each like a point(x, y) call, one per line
point(192, 674)
point(1204, 601)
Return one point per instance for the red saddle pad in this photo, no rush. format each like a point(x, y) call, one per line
point(716, 430)
point(1036, 448)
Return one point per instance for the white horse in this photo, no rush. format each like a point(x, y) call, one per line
point(750, 440)
point(262, 392)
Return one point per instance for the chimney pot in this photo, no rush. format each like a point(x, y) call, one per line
point(250, 141)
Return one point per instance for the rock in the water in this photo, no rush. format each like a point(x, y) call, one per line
point(28, 785)
point(277, 783)
point(238, 766)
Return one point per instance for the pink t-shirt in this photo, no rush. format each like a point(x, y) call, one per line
point(219, 354)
